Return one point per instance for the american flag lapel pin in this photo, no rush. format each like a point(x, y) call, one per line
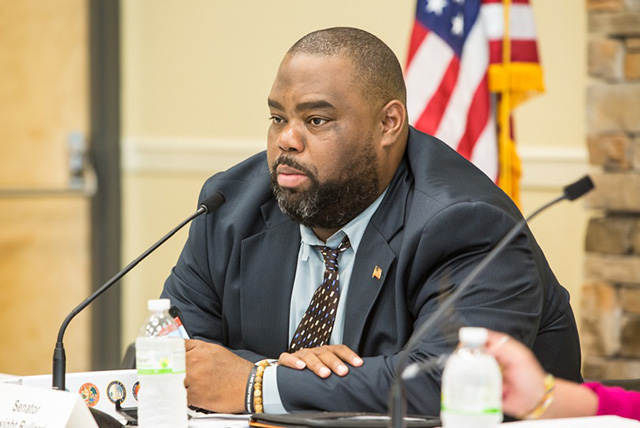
point(377, 272)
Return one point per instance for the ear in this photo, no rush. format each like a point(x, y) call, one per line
point(393, 120)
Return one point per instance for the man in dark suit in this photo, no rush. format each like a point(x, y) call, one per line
point(405, 219)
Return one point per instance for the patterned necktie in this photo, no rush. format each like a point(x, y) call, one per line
point(317, 323)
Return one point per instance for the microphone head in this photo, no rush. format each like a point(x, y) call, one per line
point(212, 202)
point(579, 188)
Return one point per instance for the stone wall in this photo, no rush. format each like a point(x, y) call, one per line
point(610, 329)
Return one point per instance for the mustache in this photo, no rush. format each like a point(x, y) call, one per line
point(288, 161)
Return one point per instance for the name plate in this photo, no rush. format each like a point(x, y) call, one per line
point(27, 407)
point(99, 389)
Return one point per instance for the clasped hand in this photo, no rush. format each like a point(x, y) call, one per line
point(322, 360)
point(216, 377)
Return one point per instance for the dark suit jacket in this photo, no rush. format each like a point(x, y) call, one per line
point(439, 218)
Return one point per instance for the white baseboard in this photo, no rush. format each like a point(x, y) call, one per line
point(552, 167)
point(185, 154)
point(544, 167)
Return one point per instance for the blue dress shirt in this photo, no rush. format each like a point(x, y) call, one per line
point(309, 275)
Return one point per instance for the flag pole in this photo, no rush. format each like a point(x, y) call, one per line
point(506, 149)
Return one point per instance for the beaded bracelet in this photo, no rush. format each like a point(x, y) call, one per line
point(253, 393)
point(545, 401)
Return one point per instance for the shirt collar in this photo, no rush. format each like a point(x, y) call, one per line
point(354, 230)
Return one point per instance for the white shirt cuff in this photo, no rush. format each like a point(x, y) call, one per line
point(270, 394)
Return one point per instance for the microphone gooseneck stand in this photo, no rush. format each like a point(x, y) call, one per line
point(397, 396)
point(208, 205)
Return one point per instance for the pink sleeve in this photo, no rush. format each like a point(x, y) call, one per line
point(616, 401)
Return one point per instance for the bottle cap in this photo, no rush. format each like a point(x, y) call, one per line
point(473, 336)
point(159, 305)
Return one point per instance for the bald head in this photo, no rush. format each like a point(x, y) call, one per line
point(377, 70)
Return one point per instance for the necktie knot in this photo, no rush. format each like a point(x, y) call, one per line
point(330, 255)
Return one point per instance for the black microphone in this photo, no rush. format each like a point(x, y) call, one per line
point(209, 205)
point(576, 190)
point(397, 396)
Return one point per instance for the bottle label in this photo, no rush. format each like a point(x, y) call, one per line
point(471, 412)
point(470, 399)
point(160, 362)
point(158, 371)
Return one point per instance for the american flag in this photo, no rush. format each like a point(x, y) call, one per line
point(462, 65)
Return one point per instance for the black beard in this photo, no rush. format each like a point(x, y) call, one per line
point(334, 203)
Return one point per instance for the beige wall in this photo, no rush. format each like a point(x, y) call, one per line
point(551, 130)
point(196, 75)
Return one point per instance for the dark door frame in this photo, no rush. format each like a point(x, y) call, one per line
point(104, 72)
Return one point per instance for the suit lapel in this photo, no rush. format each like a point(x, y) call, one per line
point(268, 269)
point(375, 256)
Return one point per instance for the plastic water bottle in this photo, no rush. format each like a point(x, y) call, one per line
point(471, 384)
point(160, 361)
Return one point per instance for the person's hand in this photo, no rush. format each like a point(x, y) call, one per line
point(322, 360)
point(522, 375)
point(523, 383)
point(216, 378)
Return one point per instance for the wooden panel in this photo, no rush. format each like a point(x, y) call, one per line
point(43, 275)
point(44, 242)
point(43, 88)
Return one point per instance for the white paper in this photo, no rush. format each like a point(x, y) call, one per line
point(218, 420)
point(591, 422)
point(229, 420)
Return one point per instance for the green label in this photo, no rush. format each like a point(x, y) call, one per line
point(158, 371)
point(470, 413)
